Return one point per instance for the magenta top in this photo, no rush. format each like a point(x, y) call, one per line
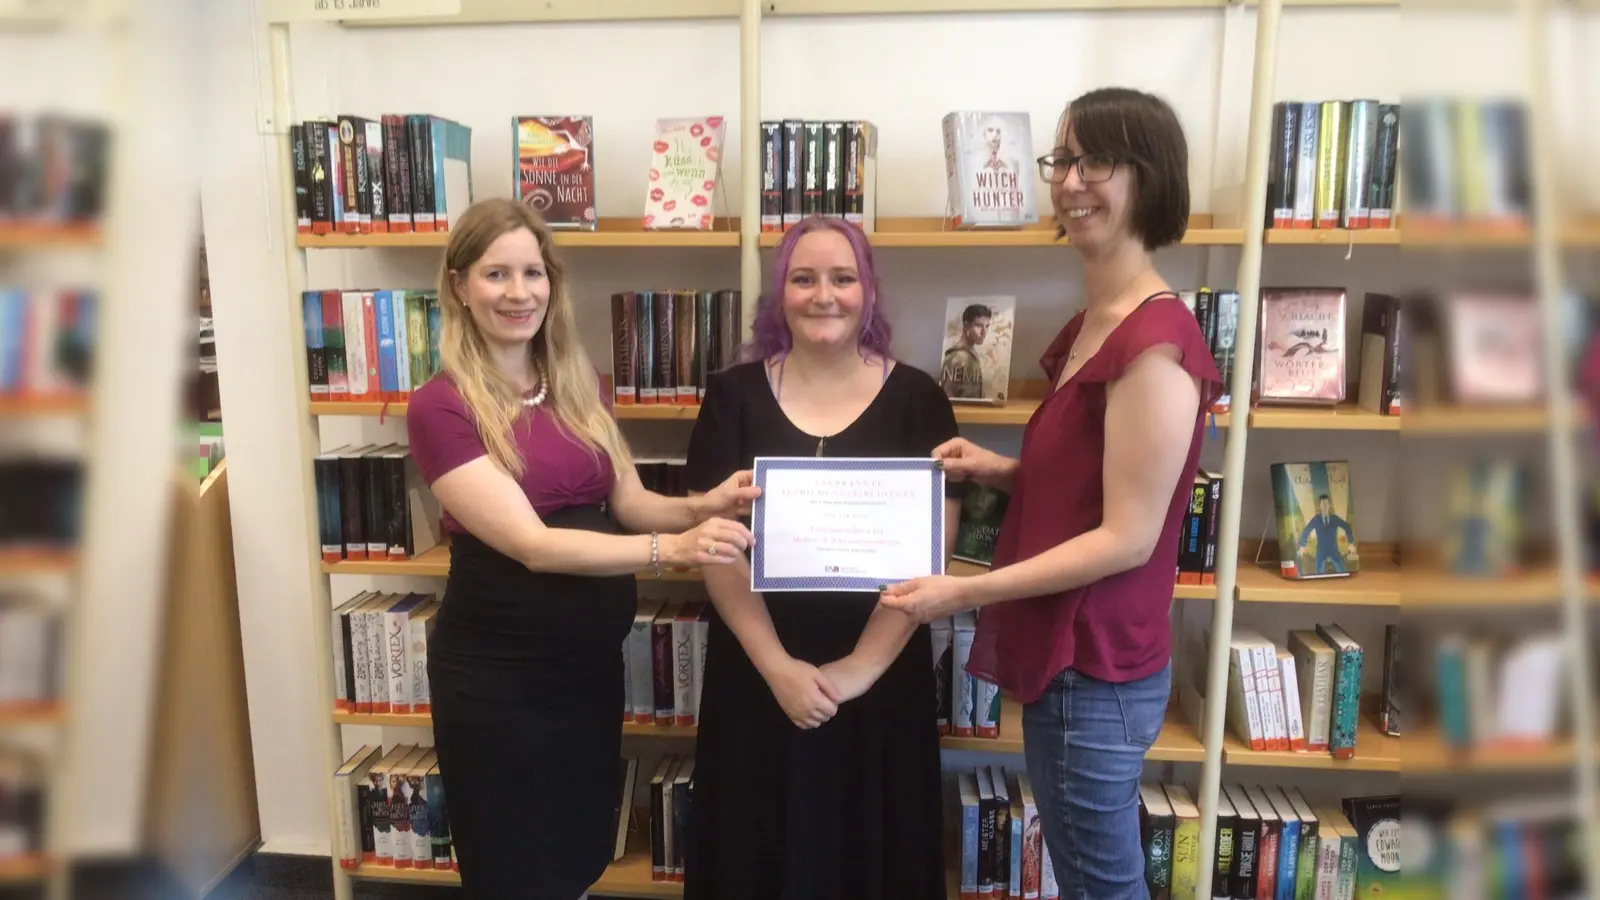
point(558, 469)
point(1115, 629)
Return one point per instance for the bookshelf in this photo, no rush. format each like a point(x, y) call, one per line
point(1384, 586)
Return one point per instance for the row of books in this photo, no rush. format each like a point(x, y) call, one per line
point(53, 169)
point(664, 657)
point(372, 504)
point(1001, 842)
point(1302, 356)
point(30, 652)
point(666, 343)
point(1305, 697)
point(396, 173)
point(553, 156)
point(44, 503)
point(1492, 691)
point(380, 652)
point(1479, 348)
point(391, 810)
point(23, 788)
point(46, 342)
point(1218, 315)
point(968, 706)
point(1530, 844)
point(370, 345)
point(671, 804)
point(1466, 159)
point(1271, 842)
point(811, 167)
point(1333, 164)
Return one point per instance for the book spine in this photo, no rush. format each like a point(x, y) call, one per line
point(1385, 156)
point(855, 172)
point(1363, 130)
point(319, 182)
point(705, 340)
point(661, 660)
point(388, 367)
point(1281, 175)
point(328, 517)
point(397, 628)
point(1246, 845)
point(1330, 161)
point(363, 173)
point(1291, 701)
point(833, 154)
point(316, 345)
point(417, 655)
point(350, 185)
point(624, 348)
point(663, 320)
point(794, 164)
point(684, 348)
point(772, 176)
point(1346, 702)
point(301, 154)
point(811, 192)
point(378, 184)
point(645, 347)
point(1213, 514)
point(683, 670)
point(1305, 166)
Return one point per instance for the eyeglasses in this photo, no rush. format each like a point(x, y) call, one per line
point(1092, 167)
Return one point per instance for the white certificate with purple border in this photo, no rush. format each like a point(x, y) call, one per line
point(845, 524)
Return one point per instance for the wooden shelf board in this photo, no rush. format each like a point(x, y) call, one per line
point(1424, 752)
point(18, 407)
point(1337, 237)
point(1375, 752)
point(37, 714)
point(26, 236)
point(477, 12)
point(1017, 412)
point(612, 232)
point(1378, 583)
point(30, 561)
point(1177, 743)
point(1462, 420)
point(20, 870)
point(931, 231)
point(1430, 589)
point(1344, 417)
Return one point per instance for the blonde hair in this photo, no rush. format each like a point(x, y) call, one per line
point(573, 396)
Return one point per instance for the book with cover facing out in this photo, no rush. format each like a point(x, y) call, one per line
point(1312, 505)
point(988, 158)
point(685, 169)
point(975, 364)
point(555, 169)
point(982, 510)
point(1302, 346)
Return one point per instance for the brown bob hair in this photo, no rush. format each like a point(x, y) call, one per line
point(1139, 130)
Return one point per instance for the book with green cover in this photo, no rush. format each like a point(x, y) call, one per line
point(1314, 510)
point(982, 511)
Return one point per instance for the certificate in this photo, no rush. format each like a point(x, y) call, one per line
point(845, 524)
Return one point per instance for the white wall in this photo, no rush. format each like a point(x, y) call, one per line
point(626, 75)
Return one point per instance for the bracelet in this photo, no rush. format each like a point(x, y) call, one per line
point(655, 552)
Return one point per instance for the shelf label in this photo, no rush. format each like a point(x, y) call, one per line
point(353, 10)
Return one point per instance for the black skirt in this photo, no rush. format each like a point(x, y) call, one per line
point(526, 675)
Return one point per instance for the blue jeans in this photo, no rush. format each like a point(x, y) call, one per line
point(1085, 741)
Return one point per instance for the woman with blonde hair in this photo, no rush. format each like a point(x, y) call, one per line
point(548, 527)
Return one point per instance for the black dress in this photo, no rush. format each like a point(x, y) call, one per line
point(526, 674)
point(851, 810)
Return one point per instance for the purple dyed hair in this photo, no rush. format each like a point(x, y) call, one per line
point(769, 333)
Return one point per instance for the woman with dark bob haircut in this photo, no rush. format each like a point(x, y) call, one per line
point(1073, 615)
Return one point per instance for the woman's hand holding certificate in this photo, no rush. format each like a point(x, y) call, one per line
point(846, 524)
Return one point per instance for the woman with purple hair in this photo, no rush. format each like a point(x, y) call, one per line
point(817, 770)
